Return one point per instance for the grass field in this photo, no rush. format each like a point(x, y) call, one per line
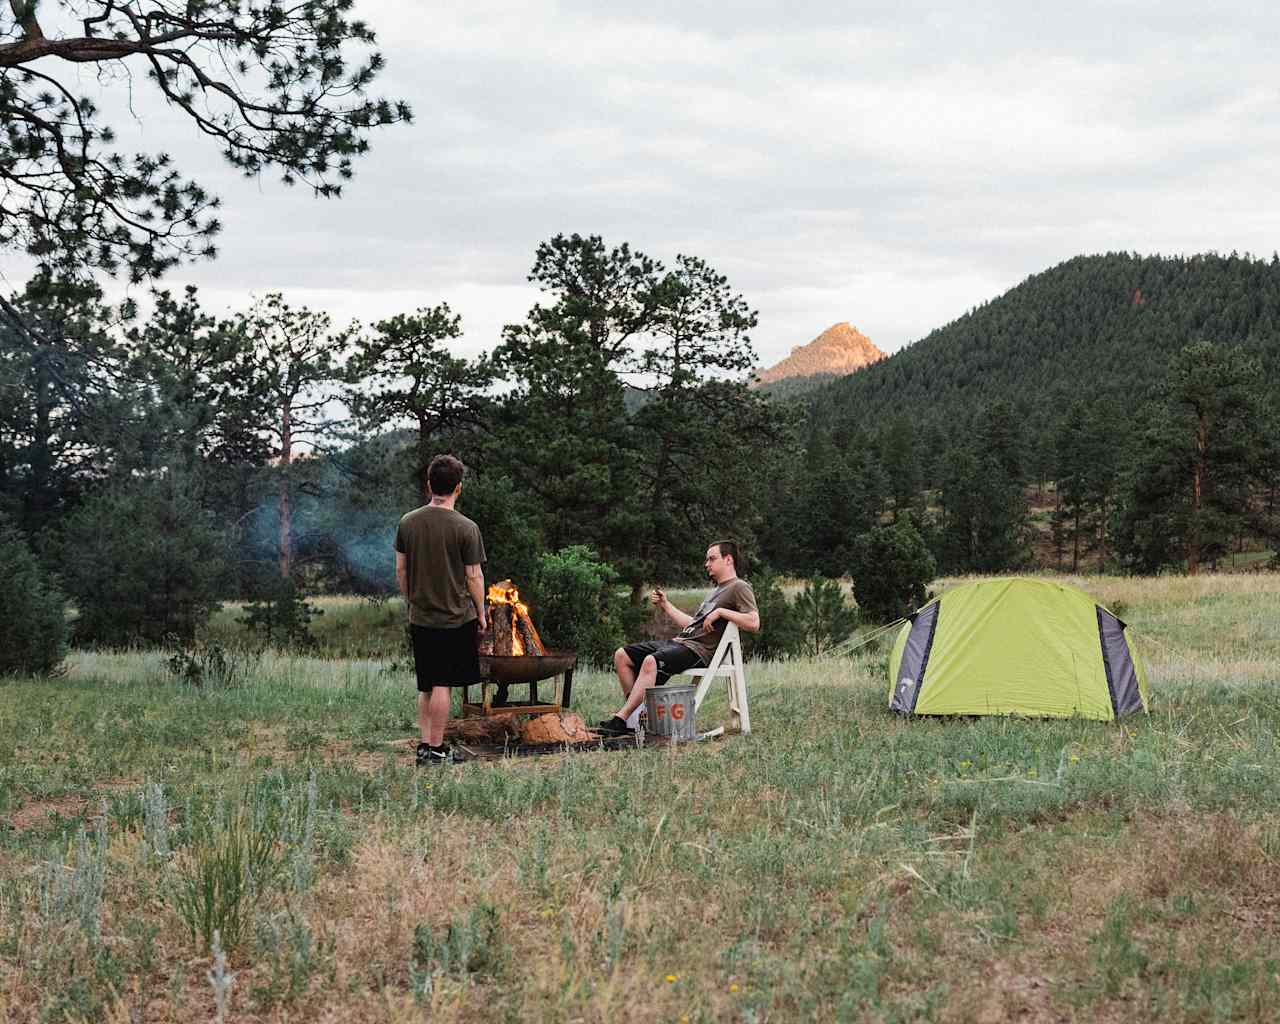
point(837, 864)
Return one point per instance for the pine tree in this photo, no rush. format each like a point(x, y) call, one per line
point(902, 467)
point(65, 404)
point(33, 625)
point(158, 563)
point(891, 568)
point(296, 367)
point(1202, 458)
point(404, 373)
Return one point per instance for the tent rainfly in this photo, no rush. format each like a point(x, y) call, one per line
point(1016, 646)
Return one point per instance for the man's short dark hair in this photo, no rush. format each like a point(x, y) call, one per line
point(443, 475)
point(729, 549)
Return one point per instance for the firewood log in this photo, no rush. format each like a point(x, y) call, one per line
point(502, 629)
point(532, 642)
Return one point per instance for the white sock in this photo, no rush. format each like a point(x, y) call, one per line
point(633, 719)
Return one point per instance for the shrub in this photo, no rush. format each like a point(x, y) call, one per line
point(211, 666)
point(781, 634)
point(891, 568)
point(825, 615)
point(33, 629)
point(469, 946)
point(578, 605)
point(224, 879)
point(280, 614)
point(143, 560)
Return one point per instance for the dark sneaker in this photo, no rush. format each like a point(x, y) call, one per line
point(423, 755)
point(440, 756)
point(614, 726)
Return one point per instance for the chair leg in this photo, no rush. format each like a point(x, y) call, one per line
point(699, 695)
point(739, 684)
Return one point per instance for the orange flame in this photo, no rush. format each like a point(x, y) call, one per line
point(505, 592)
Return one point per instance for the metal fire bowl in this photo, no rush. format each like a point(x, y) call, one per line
point(499, 668)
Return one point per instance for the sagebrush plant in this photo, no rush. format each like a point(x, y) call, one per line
point(469, 945)
point(33, 625)
point(71, 890)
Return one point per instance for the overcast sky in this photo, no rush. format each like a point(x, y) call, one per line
point(890, 164)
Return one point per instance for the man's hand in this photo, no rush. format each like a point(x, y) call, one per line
point(713, 616)
point(658, 597)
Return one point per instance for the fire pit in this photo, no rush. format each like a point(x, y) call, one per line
point(511, 654)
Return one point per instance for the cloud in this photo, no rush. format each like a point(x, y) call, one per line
point(892, 164)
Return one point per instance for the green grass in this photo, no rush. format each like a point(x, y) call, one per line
point(347, 627)
point(837, 864)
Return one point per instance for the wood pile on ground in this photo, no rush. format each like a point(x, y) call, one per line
point(497, 729)
point(566, 727)
point(512, 727)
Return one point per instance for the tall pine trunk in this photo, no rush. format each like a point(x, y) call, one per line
point(286, 511)
point(1102, 537)
point(1197, 492)
point(39, 501)
point(1075, 540)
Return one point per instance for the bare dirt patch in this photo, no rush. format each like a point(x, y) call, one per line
point(38, 812)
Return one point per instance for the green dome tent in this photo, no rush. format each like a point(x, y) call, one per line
point(1016, 647)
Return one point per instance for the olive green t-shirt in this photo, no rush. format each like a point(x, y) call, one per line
point(438, 543)
point(736, 596)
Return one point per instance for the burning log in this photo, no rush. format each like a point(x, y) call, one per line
point(513, 632)
point(503, 639)
point(529, 635)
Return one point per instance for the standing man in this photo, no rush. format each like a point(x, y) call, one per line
point(439, 567)
point(653, 662)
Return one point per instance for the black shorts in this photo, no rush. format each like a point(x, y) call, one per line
point(672, 658)
point(446, 657)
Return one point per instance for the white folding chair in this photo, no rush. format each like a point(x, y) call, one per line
point(727, 661)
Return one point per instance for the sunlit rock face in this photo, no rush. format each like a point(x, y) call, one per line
point(840, 349)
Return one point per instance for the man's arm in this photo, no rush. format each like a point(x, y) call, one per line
point(402, 575)
point(680, 618)
point(475, 585)
point(750, 621)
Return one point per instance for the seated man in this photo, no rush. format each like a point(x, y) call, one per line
point(653, 662)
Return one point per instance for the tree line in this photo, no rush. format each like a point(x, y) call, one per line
point(157, 465)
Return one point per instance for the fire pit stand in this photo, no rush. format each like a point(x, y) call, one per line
point(501, 672)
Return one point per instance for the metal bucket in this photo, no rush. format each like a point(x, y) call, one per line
point(669, 710)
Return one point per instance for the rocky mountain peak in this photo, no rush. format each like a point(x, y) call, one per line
point(839, 350)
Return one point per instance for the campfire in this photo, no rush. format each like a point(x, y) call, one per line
point(511, 632)
point(513, 654)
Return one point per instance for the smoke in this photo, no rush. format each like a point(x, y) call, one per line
point(369, 558)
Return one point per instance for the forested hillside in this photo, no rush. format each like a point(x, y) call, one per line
point(1113, 411)
point(1094, 327)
